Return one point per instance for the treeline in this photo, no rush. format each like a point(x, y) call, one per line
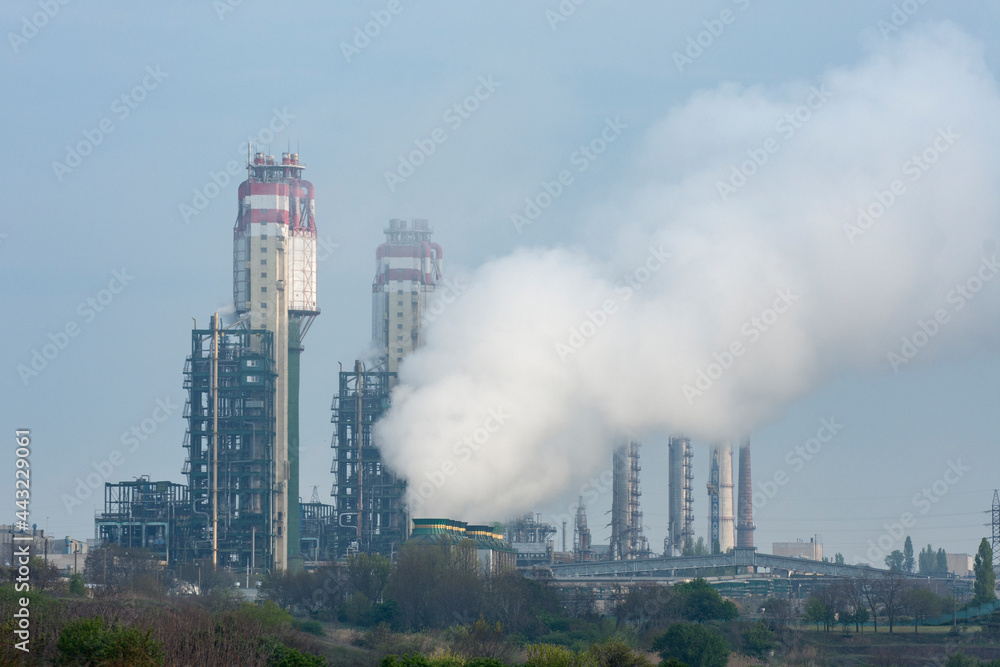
point(511, 619)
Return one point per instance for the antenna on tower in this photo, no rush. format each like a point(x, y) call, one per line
point(315, 495)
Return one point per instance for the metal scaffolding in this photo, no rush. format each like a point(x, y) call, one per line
point(143, 514)
point(369, 504)
point(230, 441)
point(680, 529)
point(627, 539)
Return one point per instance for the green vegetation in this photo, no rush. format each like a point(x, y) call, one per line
point(693, 644)
point(985, 576)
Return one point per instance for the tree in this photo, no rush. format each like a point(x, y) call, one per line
point(368, 574)
point(758, 640)
point(985, 586)
point(908, 561)
point(854, 598)
point(890, 589)
point(703, 603)
point(921, 603)
point(817, 612)
point(693, 644)
point(860, 617)
point(777, 612)
point(927, 561)
point(942, 561)
point(838, 558)
point(870, 594)
point(894, 561)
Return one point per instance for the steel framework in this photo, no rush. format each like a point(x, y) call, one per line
point(231, 476)
point(369, 504)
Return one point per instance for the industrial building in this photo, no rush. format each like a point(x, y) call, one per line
point(582, 547)
point(627, 539)
point(370, 512)
point(145, 515)
point(721, 523)
point(408, 268)
point(680, 527)
point(531, 539)
point(745, 526)
point(492, 551)
point(274, 288)
point(369, 509)
point(240, 507)
point(811, 550)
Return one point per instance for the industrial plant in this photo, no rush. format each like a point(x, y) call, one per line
point(240, 507)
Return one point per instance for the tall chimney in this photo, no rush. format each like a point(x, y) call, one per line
point(744, 525)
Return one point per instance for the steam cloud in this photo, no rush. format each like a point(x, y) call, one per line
point(790, 236)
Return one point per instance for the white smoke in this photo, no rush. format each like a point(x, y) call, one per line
point(517, 343)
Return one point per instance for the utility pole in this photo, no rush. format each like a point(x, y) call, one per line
point(215, 441)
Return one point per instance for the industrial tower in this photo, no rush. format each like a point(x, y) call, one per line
point(627, 539)
point(745, 526)
point(581, 534)
point(408, 268)
point(721, 524)
point(369, 498)
point(274, 288)
point(680, 530)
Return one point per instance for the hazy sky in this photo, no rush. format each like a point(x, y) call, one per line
point(163, 98)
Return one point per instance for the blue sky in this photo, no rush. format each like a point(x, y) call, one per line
point(222, 75)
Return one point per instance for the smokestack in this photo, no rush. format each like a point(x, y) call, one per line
point(727, 518)
point(680, 528)
point(745, 527)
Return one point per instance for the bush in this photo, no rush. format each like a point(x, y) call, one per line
point(91, 641)
point(693, 644)
point(616, 653)
point(284, 656)
point(551, 655)
point(77, 586)
point(312, 627)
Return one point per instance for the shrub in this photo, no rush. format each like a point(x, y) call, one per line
point(91, 641)
point(693, 644)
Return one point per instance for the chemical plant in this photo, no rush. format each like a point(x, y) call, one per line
point(240, 507)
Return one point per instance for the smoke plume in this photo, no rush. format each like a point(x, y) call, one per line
point(768, 240)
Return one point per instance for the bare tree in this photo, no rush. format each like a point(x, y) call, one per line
point(855, 598)
point(890, 590)
point(869, 591)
